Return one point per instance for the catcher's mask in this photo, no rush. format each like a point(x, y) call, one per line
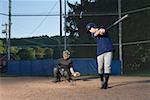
point(66, 54)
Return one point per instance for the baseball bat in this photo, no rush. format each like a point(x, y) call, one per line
point(116, 22)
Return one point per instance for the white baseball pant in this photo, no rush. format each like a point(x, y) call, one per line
point(104, 62)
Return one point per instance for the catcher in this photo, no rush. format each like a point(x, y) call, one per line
point(64, 68)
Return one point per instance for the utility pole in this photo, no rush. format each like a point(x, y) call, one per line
point(5, 31)
point(9, 29)
point(60, 17)
point(120, 37)
point(65, 40)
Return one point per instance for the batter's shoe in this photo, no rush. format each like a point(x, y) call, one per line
point(105, 86)
point(102, 85)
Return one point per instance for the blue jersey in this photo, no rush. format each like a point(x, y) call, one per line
point(104, 43)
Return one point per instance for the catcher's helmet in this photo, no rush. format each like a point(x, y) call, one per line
point(66, 52)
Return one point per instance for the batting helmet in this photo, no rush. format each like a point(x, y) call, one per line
point(90, 25)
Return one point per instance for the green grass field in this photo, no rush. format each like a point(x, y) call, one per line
point(144, 74)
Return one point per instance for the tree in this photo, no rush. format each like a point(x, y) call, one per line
point(39, 52)
point(26, 54)
point(14, 51)
point(2, 49)
point(76, 24)
point(48, 53)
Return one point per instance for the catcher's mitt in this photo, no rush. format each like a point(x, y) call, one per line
point(76, 74)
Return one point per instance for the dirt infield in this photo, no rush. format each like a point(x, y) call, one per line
point(41, 88)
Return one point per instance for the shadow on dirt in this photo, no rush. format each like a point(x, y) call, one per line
point(128, 82)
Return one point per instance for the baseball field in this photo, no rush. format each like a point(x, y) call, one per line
point(83, 88)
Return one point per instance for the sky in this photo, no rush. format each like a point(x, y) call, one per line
point(29, 26)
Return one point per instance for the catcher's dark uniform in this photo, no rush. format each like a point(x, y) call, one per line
point(63, 69)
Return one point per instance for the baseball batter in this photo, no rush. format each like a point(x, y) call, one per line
point(104, 52)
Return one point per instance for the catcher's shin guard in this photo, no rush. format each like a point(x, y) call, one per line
point(56, 75)
point(67, 76)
